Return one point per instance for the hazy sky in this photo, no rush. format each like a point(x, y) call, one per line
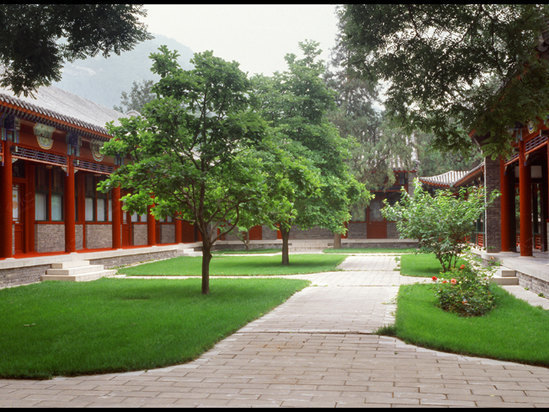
point(256, 36)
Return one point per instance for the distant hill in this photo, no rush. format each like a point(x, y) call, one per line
point(102, 80)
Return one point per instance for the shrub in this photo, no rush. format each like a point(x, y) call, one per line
point(465, 290)
point(440, 222)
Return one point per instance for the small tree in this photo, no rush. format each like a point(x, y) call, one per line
point(441, 222)
point(192, 151)
point(314, 185)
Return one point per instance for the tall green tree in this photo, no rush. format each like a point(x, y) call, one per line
point(36, 39)
point(139, 95)
point(296, 103)
point(191, 153)
point(453, 68)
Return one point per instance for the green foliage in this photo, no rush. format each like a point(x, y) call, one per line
point(441, 222)
point(465, 290)
point(452, 68)
point(312, 175)
point(140, 94)
point(191, 154)
point(376, 145)
point(35, 39)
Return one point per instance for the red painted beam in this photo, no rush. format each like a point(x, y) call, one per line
point(6, 203)
point(525, 192)
point(70, 231)
point(116, 218)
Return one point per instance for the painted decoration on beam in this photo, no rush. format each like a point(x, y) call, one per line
point(95, 146)
point(44, 135)
point(531, 127)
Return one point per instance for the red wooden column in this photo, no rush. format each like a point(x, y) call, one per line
point(506, 198)
point(178, 231)
point(116, 218)
point(6, 203)
point(70, 224)
point(525, 204)
point(151, 228)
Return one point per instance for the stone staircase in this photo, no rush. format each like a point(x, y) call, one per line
point(504, 276)
point(76, 271)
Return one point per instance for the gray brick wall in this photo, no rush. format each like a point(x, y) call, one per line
point(139, 234)
point(49, 238)
point(99, 236)
point(22, 276)
point(356, 230)
point(167, 233)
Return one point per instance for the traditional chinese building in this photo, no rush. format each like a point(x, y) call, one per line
point(50, 167)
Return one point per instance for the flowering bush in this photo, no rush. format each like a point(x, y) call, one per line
point(465, 290)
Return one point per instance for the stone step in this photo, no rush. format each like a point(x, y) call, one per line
point(75, 270)
point(508, 273)
point(69, 264)
point(505, 280)
point(81, 277)
point(506, 276)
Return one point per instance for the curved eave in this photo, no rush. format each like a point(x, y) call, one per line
point(34, 113)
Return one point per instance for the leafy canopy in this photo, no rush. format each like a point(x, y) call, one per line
point(35, 39)
point(441, 222)
point(316, 178)
point(453, 68)
point(191, 154)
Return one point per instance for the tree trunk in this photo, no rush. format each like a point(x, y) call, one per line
point(206, 258)
point(337, 241)
point(285, 249)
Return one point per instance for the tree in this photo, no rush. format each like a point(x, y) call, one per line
point(377, 146)
point(433, 161)
point(191, 153)
point(35, 39)
point(140, 94)
point(441, 222)
point(296, 103)
point(451, 69)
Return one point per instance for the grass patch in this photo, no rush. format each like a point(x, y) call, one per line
point(112, 325)
point(238, 265)
point(247, 252)
point(512, 331)
point(371, 250)
point(421, 265)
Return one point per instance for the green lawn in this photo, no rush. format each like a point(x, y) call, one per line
point(62, 328)
point(370, 250)
point(225, 265)
point(421, 265)
point(513, 331)
point(250, 251)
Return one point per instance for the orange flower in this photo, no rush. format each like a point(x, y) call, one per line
point(462, 267)
point(434, 278)
point(453, 281)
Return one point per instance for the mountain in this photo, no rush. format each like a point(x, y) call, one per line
point(102, 80)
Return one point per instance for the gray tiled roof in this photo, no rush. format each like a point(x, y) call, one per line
point(445, 179)
point(451, 178)
point(64, 106)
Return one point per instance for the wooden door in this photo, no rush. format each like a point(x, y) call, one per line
point(256, 233)
point(376, 225)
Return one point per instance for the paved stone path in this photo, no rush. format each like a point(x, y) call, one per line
point(316, 350)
